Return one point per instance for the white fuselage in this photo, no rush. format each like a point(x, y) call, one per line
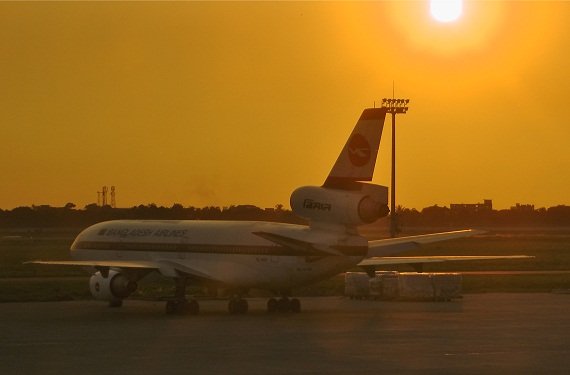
point(228, 252)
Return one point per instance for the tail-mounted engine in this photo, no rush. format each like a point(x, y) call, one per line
point(115, 286)
point(362, 204)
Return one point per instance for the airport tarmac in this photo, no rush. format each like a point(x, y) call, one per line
point(482, 333)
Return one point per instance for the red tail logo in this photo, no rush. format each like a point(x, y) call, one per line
point(358, 150)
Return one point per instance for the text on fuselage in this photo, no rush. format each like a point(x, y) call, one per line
point(143, 232)
point(314, 205)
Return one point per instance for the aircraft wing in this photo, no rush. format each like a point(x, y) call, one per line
point(165, 267)
point(378, 261)
point(377, 250)
point(102, 263)
point(397, 245)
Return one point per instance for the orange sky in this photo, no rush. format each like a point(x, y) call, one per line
point(240, 103)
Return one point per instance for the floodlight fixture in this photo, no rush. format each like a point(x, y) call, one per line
point(395, 106)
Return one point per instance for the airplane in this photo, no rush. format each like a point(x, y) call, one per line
point(243, 255)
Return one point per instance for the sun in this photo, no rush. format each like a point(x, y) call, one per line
point(446, 10)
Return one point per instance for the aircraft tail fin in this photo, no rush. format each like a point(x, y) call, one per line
point(358, 157)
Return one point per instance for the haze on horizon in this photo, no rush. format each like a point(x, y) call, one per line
point(205, 103)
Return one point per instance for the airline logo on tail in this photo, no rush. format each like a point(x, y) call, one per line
point(359, 150)
point(358, 157)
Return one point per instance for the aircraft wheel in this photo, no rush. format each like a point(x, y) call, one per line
point(171, 306)
point(284, 305)
point(192, 307)
point(238, 306)
point(295, 305)
point(232, 307)
point(243, 306)
point(272, 305)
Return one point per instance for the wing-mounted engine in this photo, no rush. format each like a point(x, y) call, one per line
point(362, 204)
point(115, 286)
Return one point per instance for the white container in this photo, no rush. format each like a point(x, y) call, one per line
point(447, 286)
point(375, 287)
point(429, 286)
point(415, 287)
point(356, 285)
point(408, 286)
point(384, 285)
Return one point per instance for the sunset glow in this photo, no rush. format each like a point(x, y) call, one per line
point(221, 103)
point(446, 10)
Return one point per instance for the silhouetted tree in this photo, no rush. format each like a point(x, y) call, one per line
point(436, 216)
point(44, 216)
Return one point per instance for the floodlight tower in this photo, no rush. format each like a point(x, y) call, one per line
point(394, 107)
point(104, 196)
point(113, 201)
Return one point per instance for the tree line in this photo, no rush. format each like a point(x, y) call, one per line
point(433, 216)
point(518, 216)
point(45, 216)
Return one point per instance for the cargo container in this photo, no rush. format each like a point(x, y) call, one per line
point(390, 286)
point(429, 286)
point(408, 286)
point(384, 285)
point(375, 288)
point(356, 285)
point(415, 287)
point(447, 286)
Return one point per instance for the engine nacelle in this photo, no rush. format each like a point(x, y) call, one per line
point(364, 204)
point(115, 286)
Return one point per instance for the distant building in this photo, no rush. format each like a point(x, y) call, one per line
point(523, 207)
point(486, 206)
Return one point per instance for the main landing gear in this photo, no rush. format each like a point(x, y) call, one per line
point(238, 306)
point(181, 305)
point(283, 305)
